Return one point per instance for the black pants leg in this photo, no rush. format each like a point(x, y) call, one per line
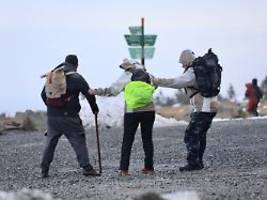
point(78, 143)
point(72, 128)
point(50, 146)
point(147, 122)
point(195, 135)
point(255, 110)
point(206, 125)
point(131, 122)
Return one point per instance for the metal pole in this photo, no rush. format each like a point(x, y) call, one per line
point(143, 41)
point(98, 145)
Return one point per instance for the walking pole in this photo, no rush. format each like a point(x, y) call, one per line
point(98, 145)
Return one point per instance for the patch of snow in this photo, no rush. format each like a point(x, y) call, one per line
point(181, 196)
point(238, 119)
point(112, 111)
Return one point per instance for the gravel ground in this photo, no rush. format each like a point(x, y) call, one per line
point(236, 164)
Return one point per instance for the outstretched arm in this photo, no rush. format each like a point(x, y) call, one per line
point(84, 87)
point(185, 80)
point(115, 88)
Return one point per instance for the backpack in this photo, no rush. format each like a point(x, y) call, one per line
point(139, 92)
point(56, 87)
point(208, 74)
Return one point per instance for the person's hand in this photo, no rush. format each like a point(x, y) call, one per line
point(96, 110)
point(155, 81)
point(92, 91)
point(99, 91)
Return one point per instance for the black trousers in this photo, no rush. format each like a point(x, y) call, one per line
point(195, 135)
point(72, 128)
point(131, 123)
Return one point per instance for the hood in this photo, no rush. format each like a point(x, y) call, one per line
point(187, 57)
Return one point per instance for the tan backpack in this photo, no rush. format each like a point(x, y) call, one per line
point(56, 87)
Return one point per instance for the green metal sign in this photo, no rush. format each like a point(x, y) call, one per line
point(136, 40)
point(135, 30)
point(141, 45)
point(136, 53)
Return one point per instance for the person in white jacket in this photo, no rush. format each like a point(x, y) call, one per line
point(145, 116)
point(204, 110)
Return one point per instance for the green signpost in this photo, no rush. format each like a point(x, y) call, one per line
point(136, 53)
point(141, 45)
point(136, 40)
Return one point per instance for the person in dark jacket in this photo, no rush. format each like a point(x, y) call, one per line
point(65, 120)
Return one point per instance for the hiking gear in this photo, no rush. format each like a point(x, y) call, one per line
point(149, 171)
point(140, 75)
point(56, 87)
point(201, 164)
point(89, 172)
point(138, 94)
point(44, 173)
point(190, 167)
point(124, 173)
point(98, 145)
point(208, 74)
point(72, 59)
point(131, 123)
point(76, 84)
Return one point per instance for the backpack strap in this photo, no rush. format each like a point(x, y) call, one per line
point(190, 87)
point(194, 94)
point(69, 73)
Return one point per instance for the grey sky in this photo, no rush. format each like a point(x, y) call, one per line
point(35, 36)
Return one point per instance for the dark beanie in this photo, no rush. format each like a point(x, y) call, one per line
point(72, 59)
point(254, 81)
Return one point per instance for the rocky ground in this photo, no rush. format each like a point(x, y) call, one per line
point(236, 164)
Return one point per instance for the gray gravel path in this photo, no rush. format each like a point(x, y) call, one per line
point(236, 164)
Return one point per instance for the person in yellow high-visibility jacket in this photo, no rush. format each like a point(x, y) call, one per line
point(135, 82)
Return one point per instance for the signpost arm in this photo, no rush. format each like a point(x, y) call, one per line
point(143, 42)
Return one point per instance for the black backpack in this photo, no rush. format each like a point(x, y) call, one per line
point(140, 75)
point(208, 74)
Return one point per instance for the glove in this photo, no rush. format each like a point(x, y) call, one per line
point(99, 92)
point(95, 110)
point(154, 81)
point(92, 92)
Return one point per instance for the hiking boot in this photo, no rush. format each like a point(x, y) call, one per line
point(201, 164)
point(149, 171)
point(44, 173)
point(124, 173)
point(90, 172)
point(190, 167)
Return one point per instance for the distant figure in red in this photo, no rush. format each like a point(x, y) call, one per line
point(254, 94)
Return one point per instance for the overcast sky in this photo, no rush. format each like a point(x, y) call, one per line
point(35, 36)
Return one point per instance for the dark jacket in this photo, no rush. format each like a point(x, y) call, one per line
point(76, 84)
